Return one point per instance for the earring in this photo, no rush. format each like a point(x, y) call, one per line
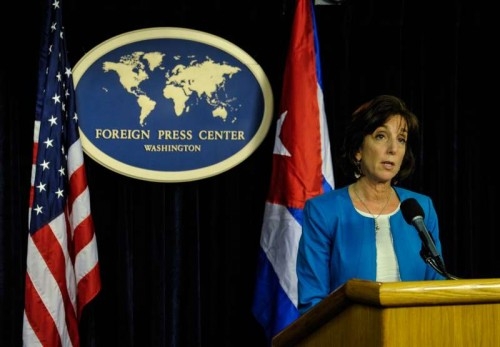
point(357, 173)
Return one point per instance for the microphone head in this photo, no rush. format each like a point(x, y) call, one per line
point(411, 209)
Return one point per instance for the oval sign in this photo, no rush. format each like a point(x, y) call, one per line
point(170, 104)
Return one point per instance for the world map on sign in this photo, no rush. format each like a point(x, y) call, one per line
point(170, 104)
point(184, 85)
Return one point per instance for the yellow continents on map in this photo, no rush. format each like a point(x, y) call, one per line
point(201, 80)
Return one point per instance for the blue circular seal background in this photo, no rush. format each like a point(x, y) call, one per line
point(171, 104)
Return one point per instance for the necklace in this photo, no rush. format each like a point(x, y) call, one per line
point(375, 218)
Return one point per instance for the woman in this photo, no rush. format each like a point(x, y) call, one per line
point(358, 231)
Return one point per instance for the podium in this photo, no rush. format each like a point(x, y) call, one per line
point(454, 313)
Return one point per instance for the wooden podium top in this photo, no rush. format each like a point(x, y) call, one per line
point(419, 293)
point(390, 294)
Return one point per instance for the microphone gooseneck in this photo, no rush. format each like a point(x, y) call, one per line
point(414, 215)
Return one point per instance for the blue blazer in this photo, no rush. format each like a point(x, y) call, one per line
point(338, 244)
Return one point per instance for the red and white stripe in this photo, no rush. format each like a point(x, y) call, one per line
point(62, 269)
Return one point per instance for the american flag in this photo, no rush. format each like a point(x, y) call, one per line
point(302, 168)
point(62, 268)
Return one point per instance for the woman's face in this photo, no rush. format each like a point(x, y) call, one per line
point(382, 151)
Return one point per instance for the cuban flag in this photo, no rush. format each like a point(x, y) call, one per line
point(302, 168)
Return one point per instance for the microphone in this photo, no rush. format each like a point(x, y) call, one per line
point(414, 215)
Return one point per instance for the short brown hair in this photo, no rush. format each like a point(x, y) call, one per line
point(368, 117)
